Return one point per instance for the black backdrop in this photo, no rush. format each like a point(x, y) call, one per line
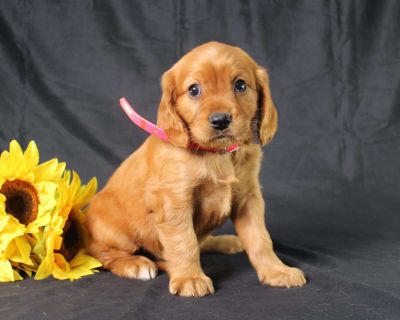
point(331, 176)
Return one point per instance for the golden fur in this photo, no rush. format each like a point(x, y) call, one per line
point(166, 200)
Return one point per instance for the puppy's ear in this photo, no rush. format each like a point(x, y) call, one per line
point(168, 117)
point(267, 114)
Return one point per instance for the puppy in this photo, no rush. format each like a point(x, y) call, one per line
point(167, 197)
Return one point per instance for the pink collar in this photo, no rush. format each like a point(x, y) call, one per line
point(160, 133)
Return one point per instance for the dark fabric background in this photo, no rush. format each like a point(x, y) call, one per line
point(331, 177)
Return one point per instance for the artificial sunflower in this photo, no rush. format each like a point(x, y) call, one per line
point(27, 192)
point(41, 217)
point(65, 236)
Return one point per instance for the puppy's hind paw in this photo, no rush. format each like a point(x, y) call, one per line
point(135, 267)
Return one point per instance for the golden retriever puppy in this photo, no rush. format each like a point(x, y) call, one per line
point(167, 197)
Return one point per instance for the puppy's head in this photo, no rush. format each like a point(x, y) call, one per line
point(216, 95)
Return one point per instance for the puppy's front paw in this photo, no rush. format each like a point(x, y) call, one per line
point(191, 287)
point(282, 276)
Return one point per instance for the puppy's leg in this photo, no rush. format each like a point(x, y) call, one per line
point(227, 244)
point(181, 253)
point(250, 226)
point(123, 263)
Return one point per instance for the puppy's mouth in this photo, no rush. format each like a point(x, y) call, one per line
point(221, 140)
point(214, 139)
point(222, 136)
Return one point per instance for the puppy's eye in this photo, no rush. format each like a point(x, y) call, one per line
point(240, 85)
point(194, 90)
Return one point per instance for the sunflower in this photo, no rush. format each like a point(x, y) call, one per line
point(27, 200)
point(64, 238)
point(42, 217)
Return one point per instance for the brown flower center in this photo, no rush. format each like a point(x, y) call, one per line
point(21, 200)
point(72, 238)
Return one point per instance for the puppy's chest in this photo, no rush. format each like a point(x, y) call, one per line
point(212, 206)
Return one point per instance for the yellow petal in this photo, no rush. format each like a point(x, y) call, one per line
point(81, 265)
point(45, 269)
point(86, 193)
point(31, 154)
point(6, 271)
point(9, 231)
point(4, 219)
point(60, 263)
point(17, 276)
point(3, 166)
point(83, 260)
point(19, 250)
point(57, 242)
point(49, 171)
point(75, 185)
point(16, 151)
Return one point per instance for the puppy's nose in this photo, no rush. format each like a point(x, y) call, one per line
point(220, 121)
